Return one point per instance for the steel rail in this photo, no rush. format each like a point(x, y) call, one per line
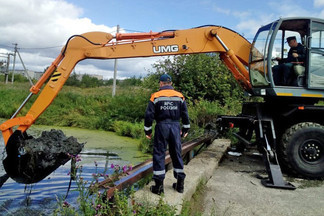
point(143, 169)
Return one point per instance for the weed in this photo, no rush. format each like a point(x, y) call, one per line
point(92, 200)
point(194, 207)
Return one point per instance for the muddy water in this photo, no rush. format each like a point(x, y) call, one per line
point(101, 150)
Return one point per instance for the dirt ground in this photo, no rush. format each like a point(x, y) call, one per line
point(234, 190)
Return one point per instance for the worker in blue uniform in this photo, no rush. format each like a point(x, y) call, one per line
point(167, 107)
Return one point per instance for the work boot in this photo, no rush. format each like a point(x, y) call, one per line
point(179, 185)
point(158, 187)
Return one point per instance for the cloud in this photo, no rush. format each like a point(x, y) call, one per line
point(41, 28)
point(246, 21)
point(38, 23)
point(128, 67)
point(221, 10)
point(250, 19)
point(288, 9)
point(318, 3)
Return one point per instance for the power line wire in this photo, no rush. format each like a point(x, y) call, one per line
point(26, 48)
point(130, 30)
point(58, 46)
point(52, 47)
point(3, 45)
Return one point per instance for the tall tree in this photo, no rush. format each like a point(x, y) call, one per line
point(199, 76)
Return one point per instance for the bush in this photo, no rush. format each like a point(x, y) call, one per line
point(87, 81)
point(12, 97)
point(96, 109)
point(17, 78)
point(123, 128)
point(145, 145)
point(129, 106)
point(204, 112)
point(133, 81)
point(198, 76)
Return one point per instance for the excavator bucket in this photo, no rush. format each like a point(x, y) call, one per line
point(30, 160)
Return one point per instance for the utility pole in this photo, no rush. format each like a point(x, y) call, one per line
point(7, 69)
point(14, 63)
point(115, 71)
point(30, 81)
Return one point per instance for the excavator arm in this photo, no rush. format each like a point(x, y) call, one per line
point(233, 48)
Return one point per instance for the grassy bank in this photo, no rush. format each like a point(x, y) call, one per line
point(90, 108)
point(95, 108)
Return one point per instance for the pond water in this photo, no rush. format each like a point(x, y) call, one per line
point(102, 149)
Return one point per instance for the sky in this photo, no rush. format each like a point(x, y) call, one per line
point(41, 27)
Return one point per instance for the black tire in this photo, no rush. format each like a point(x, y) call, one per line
point(303, 149)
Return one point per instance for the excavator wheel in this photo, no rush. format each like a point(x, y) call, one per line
point(30, 160)
point(303, 149)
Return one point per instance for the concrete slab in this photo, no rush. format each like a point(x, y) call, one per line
point(234, 190)
point(200, 168)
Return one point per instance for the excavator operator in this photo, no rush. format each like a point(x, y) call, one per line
point(283, 73)
point(167, 107)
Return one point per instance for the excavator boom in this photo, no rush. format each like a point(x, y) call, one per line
point(233, 48)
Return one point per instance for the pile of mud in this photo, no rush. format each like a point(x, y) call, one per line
point(30, 159)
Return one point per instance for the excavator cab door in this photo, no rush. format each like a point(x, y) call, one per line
point(258, 62)
point(298, 67)
point(315, 45)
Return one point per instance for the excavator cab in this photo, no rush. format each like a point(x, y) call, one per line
point(270, 43)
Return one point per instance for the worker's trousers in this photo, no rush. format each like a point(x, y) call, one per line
point(283, 74)
point(167, 133)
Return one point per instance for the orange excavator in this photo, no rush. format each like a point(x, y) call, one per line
point(288, 124)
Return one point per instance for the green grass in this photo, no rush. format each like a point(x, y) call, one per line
point(194, 207)
point(95, 108)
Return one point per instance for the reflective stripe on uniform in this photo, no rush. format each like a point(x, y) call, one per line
point(167, 99)
point(147, 128)
point(166, 91)
point(186, 126)
point(178, 170)
point(161, 172)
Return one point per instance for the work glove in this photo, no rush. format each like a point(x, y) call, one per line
point(184, 131)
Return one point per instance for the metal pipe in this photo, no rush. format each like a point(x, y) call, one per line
point(22, 105)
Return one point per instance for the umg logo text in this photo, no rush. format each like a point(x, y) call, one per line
point(165, 49)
